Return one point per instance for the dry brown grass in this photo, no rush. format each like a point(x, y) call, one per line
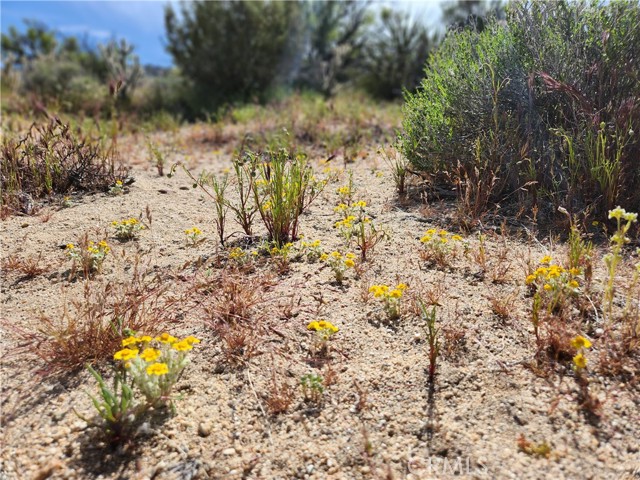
point(29, 267)
point(238, 344)
point(279, 397)
point(228, 296)
point(504, 305)
point(90, 329)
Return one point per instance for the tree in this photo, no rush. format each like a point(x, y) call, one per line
point(463, 13)
point(123, 66)
point(23, 47)
point(335, 42)
point(395, 53)
point(232, 50)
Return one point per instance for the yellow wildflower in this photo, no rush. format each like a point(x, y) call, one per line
point(191, 340)
point(395, 293)
point(324, 325)
point(530, 279)
point(580, 342)
point(158, 369)
point(349, 263)
point(580, 361)
point(166, 338)
point(126, 354)
point(145, 339)
point(182, 346)
point(150, 354)
point(341, 208)
point(546, 260)
point(129, 341)
point(313, 326)
point(573, 284)
point(547, 287)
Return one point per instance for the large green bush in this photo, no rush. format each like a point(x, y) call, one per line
point(543, 108)
point(232, 50)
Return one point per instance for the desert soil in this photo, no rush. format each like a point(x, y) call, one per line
point(378, 418)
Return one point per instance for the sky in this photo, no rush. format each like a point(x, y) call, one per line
point(140, 22)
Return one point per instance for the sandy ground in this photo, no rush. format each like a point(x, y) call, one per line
point(379, 418)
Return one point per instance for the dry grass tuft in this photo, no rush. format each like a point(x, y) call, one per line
point(90, 329)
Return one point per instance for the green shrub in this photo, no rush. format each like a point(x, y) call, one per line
point(84, 94)
point(49, 76)
point(542, 109)
point(231, 50)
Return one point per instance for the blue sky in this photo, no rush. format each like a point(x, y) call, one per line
point(140, 22)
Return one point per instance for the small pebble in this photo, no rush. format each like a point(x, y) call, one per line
point(204, 429)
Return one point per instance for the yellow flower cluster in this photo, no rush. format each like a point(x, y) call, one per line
point(345, 209)
point(150, 354)
point(311, 250)
point(581, 344)
point(193, 235)
point(324, 330)
point(384, 291)
point(314, 244)
point(100, 248)
point(322, 325)
point(92, 258)
point(237, 254)
point(283, 251)
point(345, 223)
point(554, 277)
point(390, 298)
point(344, 191)
point(341, 208)
point(439, 236)
point(126, 229)
point(93, 248)
point(339, 263)
point(335, 255)
point(127, 222)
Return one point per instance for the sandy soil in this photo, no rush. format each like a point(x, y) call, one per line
point(379, 418)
